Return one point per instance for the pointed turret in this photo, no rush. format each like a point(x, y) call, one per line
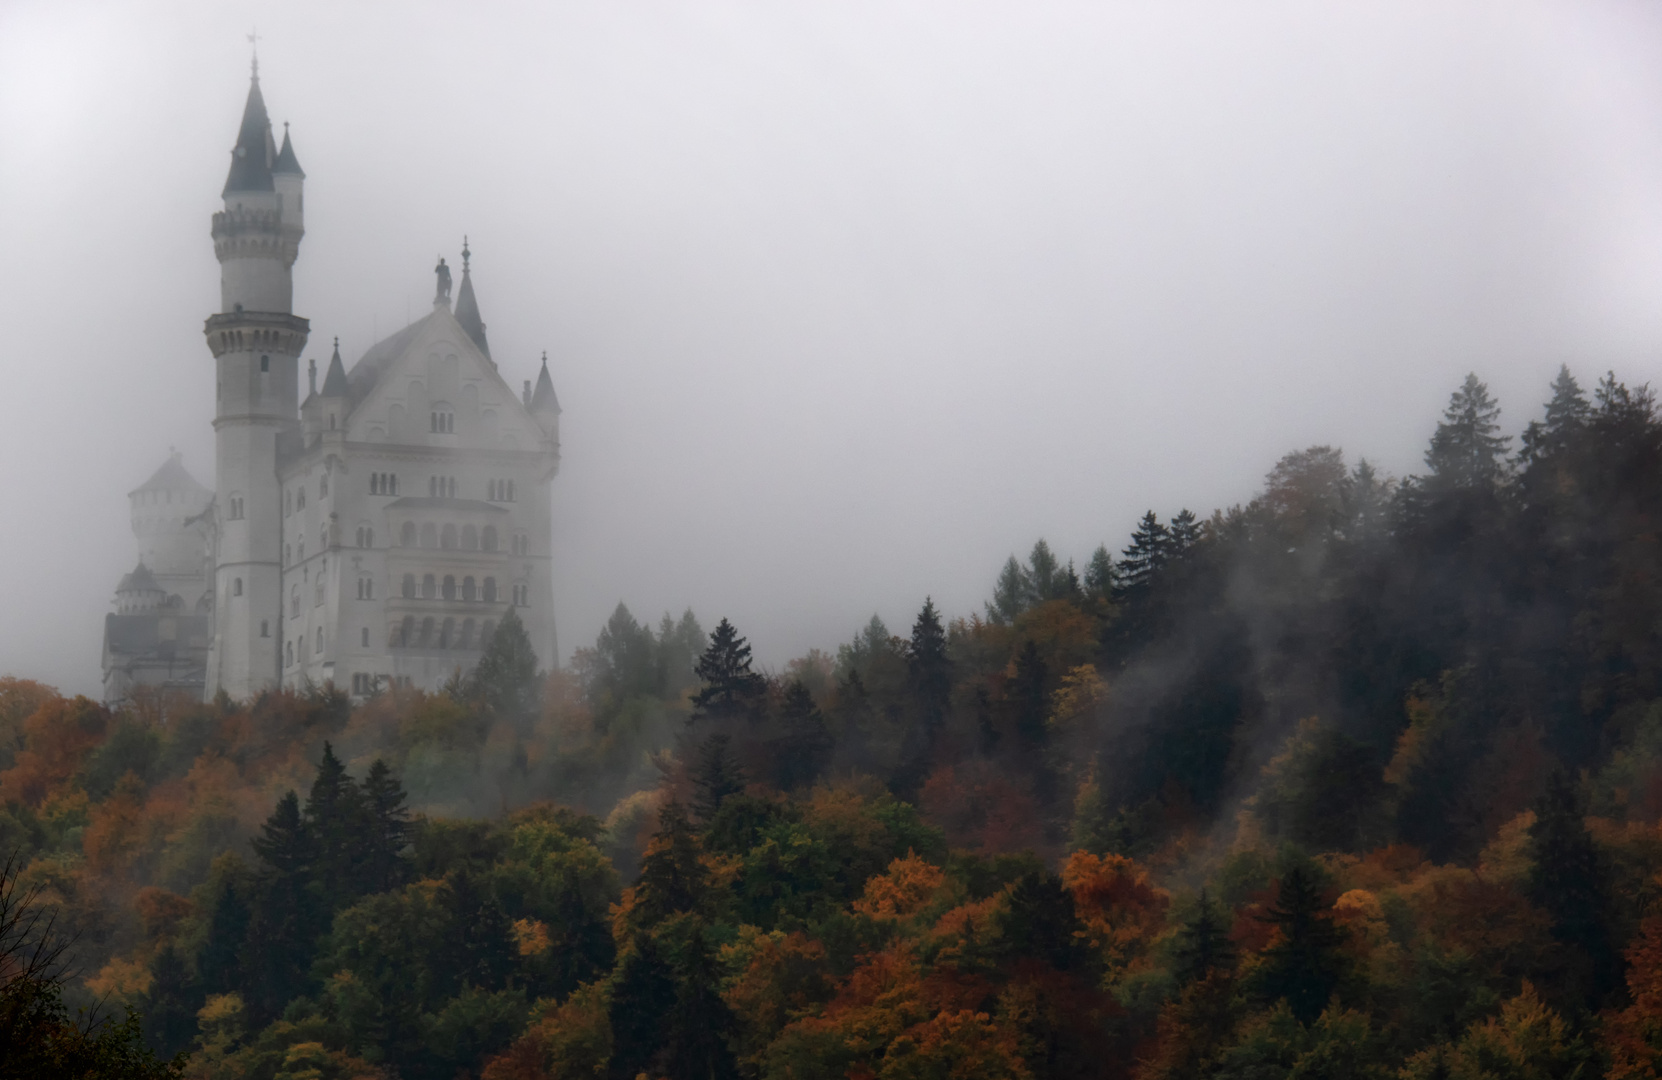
point(544, 405)
point(254, 154)
point(334, 383)
point(286, 162)
point(467, 306)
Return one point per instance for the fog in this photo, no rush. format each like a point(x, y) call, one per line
point(844, 303)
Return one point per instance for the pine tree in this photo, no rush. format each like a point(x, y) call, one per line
point(929, 668)
point(480, 941)
point(643, 995)
point(505, 679)
point(288, 914)
point(170, 1004)
point(1040, 923)
point(695, 1043)
point(718, 776)
point(1305, 965)
point(1044, 571)
point(388, 830)
point(1099, 575)
point(1185, 533)
point(1566, 417)
point(1013, 594)
point(338, 824)
point(218, 962)
point(1467, 451)
point(1150, 546)
point(1568, 880)
point(679, 645)
point(731, 690)
point(1029, 697)
point(1203, 945)
point(628, 655)
point(672, 879)
point(802, 751)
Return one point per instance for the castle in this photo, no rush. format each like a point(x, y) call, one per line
point(371, 535)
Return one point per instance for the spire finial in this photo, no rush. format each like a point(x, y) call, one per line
point(254, 48)
point(545, 358)
point(466, 254)
point(311, 376)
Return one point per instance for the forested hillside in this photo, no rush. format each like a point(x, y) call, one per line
point(1362, 777)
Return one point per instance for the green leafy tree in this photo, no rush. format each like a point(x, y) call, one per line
point(1030, 697)
point(672, 879)
point(700, 1024)
point(1099, 575)
point(505, 679)
point(643, 995)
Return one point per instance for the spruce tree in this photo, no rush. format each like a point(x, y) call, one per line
point(219, 961)
point(717, 776)
point(338, 823)
point(1568, 881)
point(505, 679)
point(1203, 944)
point(288, 914)
point(1029, 698)
point(480, 939)
point(1566, 417)
point(1045, 572)
point(1099, 575)
point(929, 668)
point(643, 996)
point(388, 830)
point(731, 690)
point(672, 879)
point(1012, 594)
point(805, 745)
point(1143, 560)
point(1467, 451)
point(1040, 923)
point(695, 1042)
point(170, 1005)
point(1184, 533)
point(1305, 965)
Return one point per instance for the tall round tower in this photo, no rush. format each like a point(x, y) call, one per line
point(256, 342)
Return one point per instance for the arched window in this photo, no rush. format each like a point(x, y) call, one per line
point(300, 499)
point(317, 592)
point(323, 484)
point(265, 628)
point(366, 637)
point(447, 539)
point(375, 483)
point(287, 553)
point(265, 364)
point(407, 537)
point(427, 631)
point(490, 490)
point(487, 539)
point(522, 543)
point(288, 653)
point(323, 537)
point(236, 587)
point(394, 478)
point(449, 587)
point(429, 535)
point(447, 634)
point(428, 587)
point(294, 602)
point(408, 590)
point(469, 590)
point(300, 551)
point(466, 640)
point(406, 631)
point(369, 536)
point(486, 632)
point(470, 538)
point(490, 590)
point(319, 647)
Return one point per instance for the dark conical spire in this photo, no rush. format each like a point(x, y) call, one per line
point(467, 306)
point(255, 152)
point(286, 161)
point(542, 398)
point(334, 383)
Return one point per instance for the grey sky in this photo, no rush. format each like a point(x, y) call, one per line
point(844, 302)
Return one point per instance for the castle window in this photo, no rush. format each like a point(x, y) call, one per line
point(409, 587)
point(429, 535)
point(288, 652)
point(300, 499)
point(375, 483)
point(449, 587)
point(294, 602)
point(487, 538)
point(394, 478)
point(319, 647)
point(407, 536)
point(426, 631)
point(265, 628)
point(317, 592)
point(466, 640)
point(447, 539)
point(443, 422)
point(265, 363)
point(366, 637)
point(323, 484)
point(510, 491)
point(486, 632)
point(323, 537)
point(300, 551)
point(406, 631)
point(490, 590)
point(236, 587)
point(469, 591)
point(490, 490)
point(447, 633)
point(522, 596)
point(522, 544)
point(470, 538)
point(429, 587)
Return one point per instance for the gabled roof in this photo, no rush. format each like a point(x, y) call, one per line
point(334, 383)
point(286, 161)
point(252, 157)
point(542, 398)
point(172, 476)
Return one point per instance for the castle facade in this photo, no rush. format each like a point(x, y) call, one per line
point(371, 534)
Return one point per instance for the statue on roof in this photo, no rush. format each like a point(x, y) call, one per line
point(443, 273)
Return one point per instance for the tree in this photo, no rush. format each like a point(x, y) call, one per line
point(1304, 964)
point(1147, 555)
point(1183, 534)
point(717, 777)
point(1040, 923)
point(505, 679)
point(929, 668)
point(287, 916)
point(1030, 697)
point(1203, 944)
point(628, 659)
point(1566, 418)
point(1568, 881)
point(480, 938)
point(1013, 594)
point(1467, 451)
point(219, 961)
point(731, 690)
point(695, 1042)
point(170, 1004)
point(1099, 575)
point(803, 749)
point(388, 830)
point(672, 878)
point(643, 995)
point(1045, 572)
point(337, 825)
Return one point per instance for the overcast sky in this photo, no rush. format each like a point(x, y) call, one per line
point(844, 302)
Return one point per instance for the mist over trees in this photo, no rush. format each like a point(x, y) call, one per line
point(1360, 777)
